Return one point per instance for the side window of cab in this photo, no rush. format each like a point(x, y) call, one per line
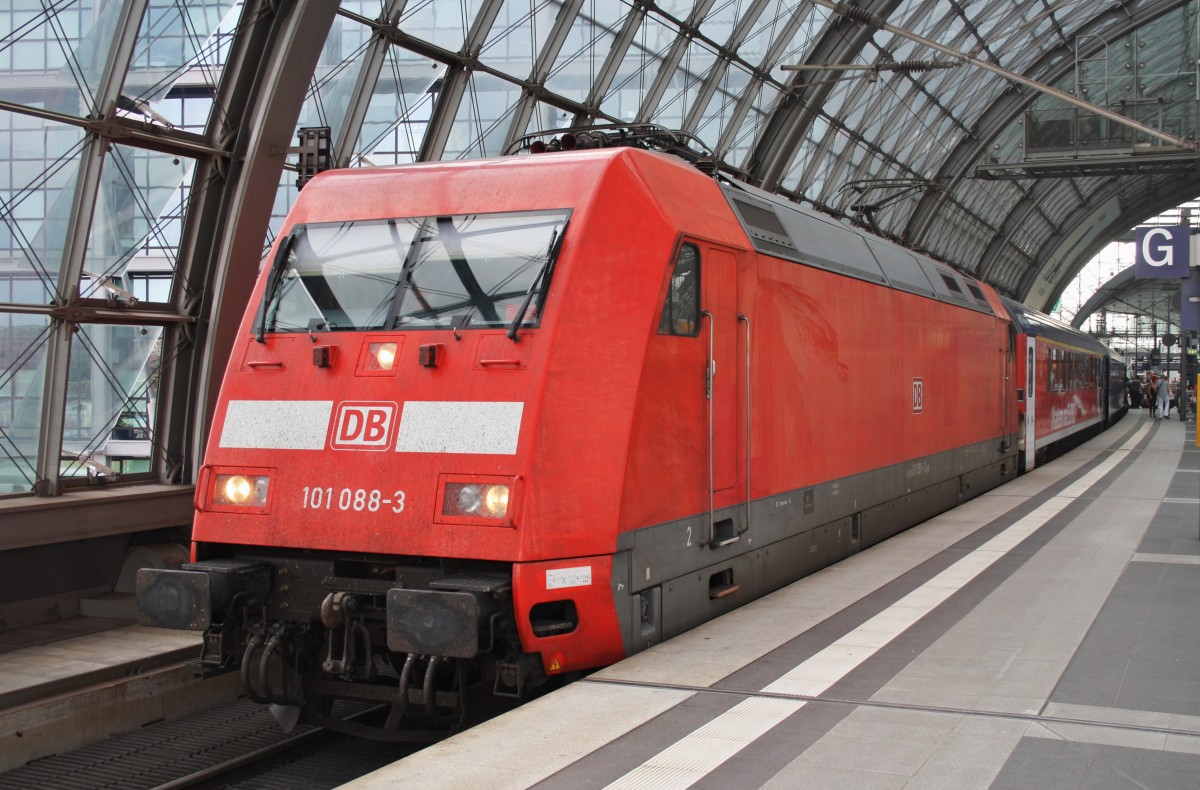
point(681, 310)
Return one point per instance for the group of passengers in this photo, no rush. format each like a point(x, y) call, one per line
point(1156, 394)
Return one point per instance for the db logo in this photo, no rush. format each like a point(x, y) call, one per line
point(359, 425)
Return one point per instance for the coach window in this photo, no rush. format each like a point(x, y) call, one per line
point(681, 311)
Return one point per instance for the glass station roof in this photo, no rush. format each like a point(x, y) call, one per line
point(147, 157)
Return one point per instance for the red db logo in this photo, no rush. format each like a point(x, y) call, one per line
point(359, 425)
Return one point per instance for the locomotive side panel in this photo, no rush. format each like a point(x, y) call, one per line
point(913, 376)
point(921, 383)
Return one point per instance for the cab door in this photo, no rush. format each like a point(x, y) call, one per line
point(724, 380)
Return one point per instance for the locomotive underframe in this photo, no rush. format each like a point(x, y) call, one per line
point(305, 628)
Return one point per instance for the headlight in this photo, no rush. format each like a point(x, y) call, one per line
point(381, 356)
point(480, 500)
point(243, 490)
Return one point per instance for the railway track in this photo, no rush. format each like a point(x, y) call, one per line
point(238, 744)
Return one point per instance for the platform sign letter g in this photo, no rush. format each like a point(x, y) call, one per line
point(1162, 251)
point(1156, 247)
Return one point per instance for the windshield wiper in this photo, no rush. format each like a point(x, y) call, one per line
point(269, 304)
point(534, 287)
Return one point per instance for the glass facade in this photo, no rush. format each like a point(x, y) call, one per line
point(89, 218)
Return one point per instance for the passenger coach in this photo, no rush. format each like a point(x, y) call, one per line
point(1069, 385)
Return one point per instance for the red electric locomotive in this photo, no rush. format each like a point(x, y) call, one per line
point(492, 421)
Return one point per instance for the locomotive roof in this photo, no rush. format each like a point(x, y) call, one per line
point(779, 227)
point(595, 158)
point(581, 179)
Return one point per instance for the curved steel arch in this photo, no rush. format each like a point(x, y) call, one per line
point(844, 39)
point(1154, 196)
point(1117, 21)
point(1141, 297)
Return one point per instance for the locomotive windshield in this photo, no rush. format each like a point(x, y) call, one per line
point(456, 271)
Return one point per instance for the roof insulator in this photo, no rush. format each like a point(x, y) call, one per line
point(860, 15)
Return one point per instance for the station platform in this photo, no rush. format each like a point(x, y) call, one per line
point(73, 682)
point(1045, 634)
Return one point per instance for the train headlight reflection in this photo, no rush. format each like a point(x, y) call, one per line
point(480, 500)
point(244, 490)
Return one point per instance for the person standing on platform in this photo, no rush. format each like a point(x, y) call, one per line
point(1163, 389)
point(1149, 395)
point(1135, 392)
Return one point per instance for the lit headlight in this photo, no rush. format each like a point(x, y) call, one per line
point(244, 490)
point(481, 500)
point(381, 356)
